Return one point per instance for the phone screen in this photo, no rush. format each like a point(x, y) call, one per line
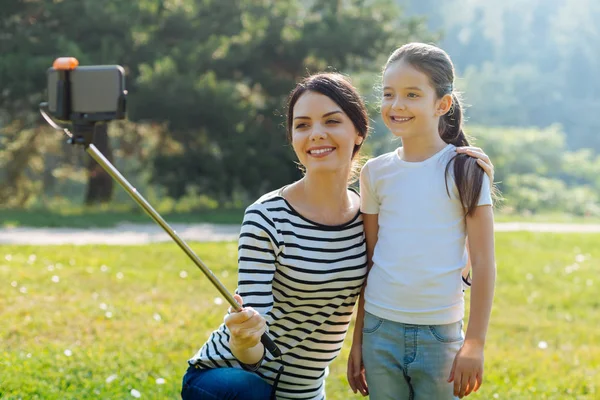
point(94, 89)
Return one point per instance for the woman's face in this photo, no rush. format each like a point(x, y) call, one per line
point(323, 136)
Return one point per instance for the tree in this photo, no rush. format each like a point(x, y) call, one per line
point(222, 88)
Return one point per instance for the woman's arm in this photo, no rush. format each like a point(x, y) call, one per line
point(466, 272)
point(257, 252)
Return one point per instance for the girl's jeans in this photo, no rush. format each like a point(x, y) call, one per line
point(409, 362)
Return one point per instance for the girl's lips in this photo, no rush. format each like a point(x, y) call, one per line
point(400, 120)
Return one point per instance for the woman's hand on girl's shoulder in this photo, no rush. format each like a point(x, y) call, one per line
point(482, 159)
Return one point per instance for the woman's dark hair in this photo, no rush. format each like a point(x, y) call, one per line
point(339, 89)
point(436, 64)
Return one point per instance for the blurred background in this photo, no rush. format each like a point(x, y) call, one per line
point(205, 136)
point(208, 80)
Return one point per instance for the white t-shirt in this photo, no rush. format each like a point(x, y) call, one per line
point(420, 250)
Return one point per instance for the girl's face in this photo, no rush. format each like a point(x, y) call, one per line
point(323, 136)
point(410, 105)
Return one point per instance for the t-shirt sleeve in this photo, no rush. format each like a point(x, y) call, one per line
point(485, 197)
point(257, 252)
point(369, 203)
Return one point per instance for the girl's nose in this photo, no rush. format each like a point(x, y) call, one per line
point(398, 104)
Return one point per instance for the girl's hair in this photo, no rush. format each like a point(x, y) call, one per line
point(339, 89)
point(436, 64)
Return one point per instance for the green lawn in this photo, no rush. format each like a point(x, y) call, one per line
point(72, 216)
point(546, 218)
point(100, 321)
point(83, 217)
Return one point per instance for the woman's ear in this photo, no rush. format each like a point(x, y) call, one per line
point(444, 105)
point(359, 139)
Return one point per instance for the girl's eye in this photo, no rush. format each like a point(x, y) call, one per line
point(333, 121)
point(413, 95)
point(387, 95)
point(299, 126)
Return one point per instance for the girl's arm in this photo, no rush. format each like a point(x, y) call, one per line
point(371, 225)
point(467, 370)
point(356, 372)
point(369, 205)
point(480, 230)
point(486, 164)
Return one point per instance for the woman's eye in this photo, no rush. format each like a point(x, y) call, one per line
point(387, 95)
point(413, 95)
point(299, 126)
point(333, 121)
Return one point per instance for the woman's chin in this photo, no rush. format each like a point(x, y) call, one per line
point(326, 168)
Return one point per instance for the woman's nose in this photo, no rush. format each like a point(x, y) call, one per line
point(318, 132)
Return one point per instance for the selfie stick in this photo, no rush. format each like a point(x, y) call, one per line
point(83, 133)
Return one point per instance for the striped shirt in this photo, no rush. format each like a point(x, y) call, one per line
point(304, 278)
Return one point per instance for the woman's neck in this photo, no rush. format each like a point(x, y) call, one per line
point(421, 147)
point(326, 192)
point(323, 198)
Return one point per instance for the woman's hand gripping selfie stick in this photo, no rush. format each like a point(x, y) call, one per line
point(83, 133)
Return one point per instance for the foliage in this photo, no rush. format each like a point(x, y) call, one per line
point(524, 63)
point(207, 82)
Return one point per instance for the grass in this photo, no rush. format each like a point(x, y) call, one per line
point(83, 217)
point(546, 218)
point(73, 216)
point(83, 322)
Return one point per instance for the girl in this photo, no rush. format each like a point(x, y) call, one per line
point(419, 204)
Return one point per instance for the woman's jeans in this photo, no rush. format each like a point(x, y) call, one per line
point(223, 384)
point(409, 362)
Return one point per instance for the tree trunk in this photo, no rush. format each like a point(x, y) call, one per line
point(100, 183)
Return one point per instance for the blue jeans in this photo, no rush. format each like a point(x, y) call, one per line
point(409, 362)
point(223, 384)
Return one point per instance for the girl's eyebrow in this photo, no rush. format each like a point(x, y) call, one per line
point(324, 115)
point(406, 88)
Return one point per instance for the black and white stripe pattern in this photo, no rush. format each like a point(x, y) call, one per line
point(305, 279)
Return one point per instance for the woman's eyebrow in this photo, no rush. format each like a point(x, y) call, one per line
point(324, 115)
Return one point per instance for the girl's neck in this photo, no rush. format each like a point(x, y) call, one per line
point(421, 147)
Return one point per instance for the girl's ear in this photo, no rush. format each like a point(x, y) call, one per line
point(444, 105)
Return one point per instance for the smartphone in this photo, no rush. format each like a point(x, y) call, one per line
point(93, 93)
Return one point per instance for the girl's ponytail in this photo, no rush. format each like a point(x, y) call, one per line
point(467, 174)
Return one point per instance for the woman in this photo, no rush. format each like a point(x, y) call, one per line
point(302, 261)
